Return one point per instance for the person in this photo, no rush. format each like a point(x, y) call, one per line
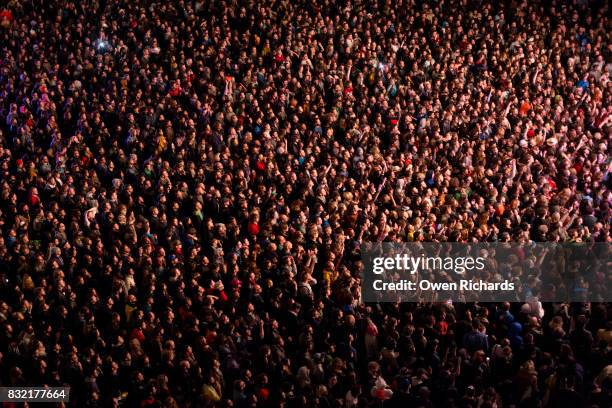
point(185, 188)
point(476, 339)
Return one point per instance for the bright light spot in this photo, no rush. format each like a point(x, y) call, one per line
point(101, 45)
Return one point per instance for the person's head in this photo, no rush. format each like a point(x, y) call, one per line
point(373, 369)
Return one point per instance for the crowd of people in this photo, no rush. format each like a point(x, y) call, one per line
point(185, 184)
